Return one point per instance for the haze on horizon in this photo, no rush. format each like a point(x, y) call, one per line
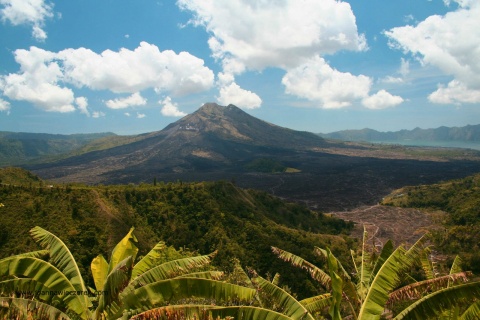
point(319, 66)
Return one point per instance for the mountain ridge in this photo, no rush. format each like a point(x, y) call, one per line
point(469, 133)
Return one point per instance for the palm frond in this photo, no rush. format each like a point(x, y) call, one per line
point(317, 303)
point(207, 312)
point(51, 277)
point(418, 289)
point(387, 278)
point(214, 275)
point(149, 260)
point(61, 257)
point(171, 290)
point(170, 269)
point(19, 308)
point(473, 312)
point(99, 268)
point(288, 304)
point(441, 300)
point(316, 273)
point(115, 283)
point(124, 249)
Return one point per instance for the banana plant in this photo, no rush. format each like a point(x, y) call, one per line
point(54, 288)
point(376, 279)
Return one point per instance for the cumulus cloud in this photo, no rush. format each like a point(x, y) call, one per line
point(275, 33)
point(170, 109)
point(121, 103)
point(82, 105)
point(381, 100)
point(38, 81)
point(451, 43)
point(283, 34)
point(317, 81)
point(135, 70)
point(454, 93)
point(233, 94)
point(4, 105)
point(46, 78)
point(141, 115)
point(29, 12)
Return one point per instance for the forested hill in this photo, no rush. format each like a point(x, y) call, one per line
point(199, 216)
point(455, 204)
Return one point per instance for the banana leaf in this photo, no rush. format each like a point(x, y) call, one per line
point(50, 277)
point(99, 268)
point(433, 304)
point(288, 304)
point(316, 273)
point(148, 261)
point(19, 308)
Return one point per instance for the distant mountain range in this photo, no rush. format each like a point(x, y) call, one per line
point(470, 133)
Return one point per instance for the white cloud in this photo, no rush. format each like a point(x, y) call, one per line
point(275, 33)
point(170, 109)
point(381, 100)
point(82, 105)
point(133, 71)
point(98, 114)
point(121, 103)
point(456, 93)
point(37, 81)
point(4, 105)
point(127, 114)
point(46, 78)
point(451, 43)
point(317, 81)
point(233, 94)
point(141, 115)
point(30, 12)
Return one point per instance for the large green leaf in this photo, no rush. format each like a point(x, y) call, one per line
point(337, 286)
point(214, 275)
point(387, 278)
point(19, 308)
point(149, 260)
point(316, 273)
point(288, 304)
point(124, 249)
point(418, 289)
point(169, 269)
point(473, 312)
point(171, 290)
point(25, 288)
point(99, 268)
point(115, 283)
point(365, 268)
point(47, 274)
point(317, 303)
point(433, 304)
point(204, 312)
point(61, 257)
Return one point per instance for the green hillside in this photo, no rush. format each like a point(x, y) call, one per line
point(198, 216)
point(456, 204)
point(21, 147)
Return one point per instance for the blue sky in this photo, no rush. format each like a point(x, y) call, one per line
point(131, 67)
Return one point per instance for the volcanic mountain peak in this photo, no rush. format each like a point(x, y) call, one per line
point(232, 123)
